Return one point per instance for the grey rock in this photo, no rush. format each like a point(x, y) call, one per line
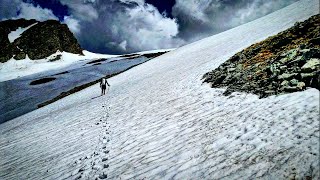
point(292, 53)
point(294, 82)
point(305, 50)
point(287, 75)
point(307, 75)
point(302, 46)
point(219, 79)
point(285, 83)
point(311, 65)
point(290, 89)
point(298, 60)
point(231, 69)
point(274, 68)
point(309, 53)
point(237, 75)
point(283, 67)
point(270, 92)
point(239, 67)
point(284, 60)
point(301, 85)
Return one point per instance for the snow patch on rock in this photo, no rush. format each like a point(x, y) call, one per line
point(13, 35)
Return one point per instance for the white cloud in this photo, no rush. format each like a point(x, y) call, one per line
point(148, 27)
point(82, 10)
point(29, 11)
point(131, 25)
point(256, 9)
point(198, 19)
point(118, 26)
point(123, 45)
point(72, 23)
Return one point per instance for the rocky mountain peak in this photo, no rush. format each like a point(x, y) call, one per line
point(39, 40)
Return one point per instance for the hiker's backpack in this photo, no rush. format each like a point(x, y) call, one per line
point(104, 81)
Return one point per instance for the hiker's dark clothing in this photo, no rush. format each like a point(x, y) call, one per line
point(103, 85)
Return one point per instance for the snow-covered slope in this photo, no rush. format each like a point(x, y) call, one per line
point(18, 68)
point(159, 122)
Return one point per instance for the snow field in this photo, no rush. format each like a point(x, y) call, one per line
point(18, 68)
point(158, 121)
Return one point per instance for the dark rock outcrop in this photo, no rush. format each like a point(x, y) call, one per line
point(284, 63)
point(39, 41)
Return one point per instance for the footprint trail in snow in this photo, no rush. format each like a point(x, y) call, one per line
point(96, 165)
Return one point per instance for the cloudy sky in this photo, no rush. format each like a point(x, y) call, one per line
point(125, 26)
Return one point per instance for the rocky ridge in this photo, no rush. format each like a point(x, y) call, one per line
point(39, 41)
point(284, 63)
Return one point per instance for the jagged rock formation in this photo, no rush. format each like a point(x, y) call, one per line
point(39, 41)
point(286, 62)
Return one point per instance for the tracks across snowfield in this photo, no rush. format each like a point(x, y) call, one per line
point(96, 164)
point(164, 124)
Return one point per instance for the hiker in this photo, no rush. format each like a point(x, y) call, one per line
point(103, 85)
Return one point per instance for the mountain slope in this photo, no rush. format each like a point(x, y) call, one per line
point(36, 39)
point(158, 121)
point(284, 63)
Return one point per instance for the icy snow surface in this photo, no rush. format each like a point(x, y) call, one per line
point(18, 68)
point(159, 122)
point(13, 35)
point(18, 97)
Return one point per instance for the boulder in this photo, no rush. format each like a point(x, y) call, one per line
point(310, 53)
point(282, 68)
point(287, 75)
point(284, 60)
point(231, 69)
point(294, 82)
point(239, 67)
point(285, 83)
point(290, 88)
point(301, 85)
point(219, 79)
point(298, 61)
point(292, 53)
point(311, 65)
point(307, 75)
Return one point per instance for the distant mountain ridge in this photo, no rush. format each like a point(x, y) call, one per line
point(40, 40)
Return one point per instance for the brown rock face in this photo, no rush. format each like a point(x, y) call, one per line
point(39, 41)
point(284, 63)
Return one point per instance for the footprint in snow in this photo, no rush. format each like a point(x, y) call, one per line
point(103, 176)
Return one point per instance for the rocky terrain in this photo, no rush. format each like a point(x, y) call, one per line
point(41, 40)
point(284, 63)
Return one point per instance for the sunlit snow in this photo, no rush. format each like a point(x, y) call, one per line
point(19, 68)
point(158, 121)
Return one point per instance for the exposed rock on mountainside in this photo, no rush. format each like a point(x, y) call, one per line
point(286, 62)
point(39, 41)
